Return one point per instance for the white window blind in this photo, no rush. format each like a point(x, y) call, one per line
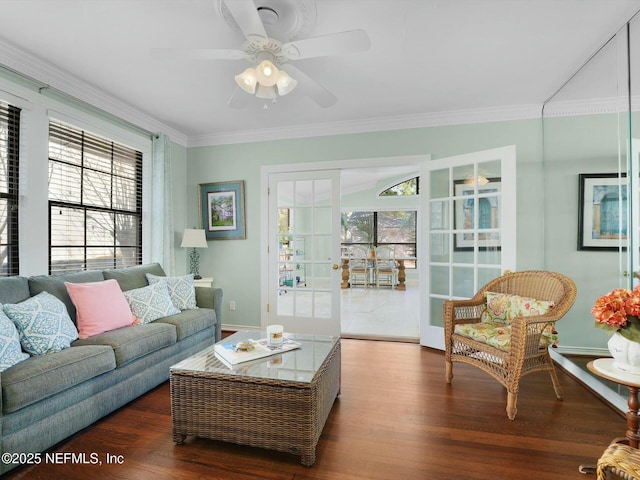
point(95, 202)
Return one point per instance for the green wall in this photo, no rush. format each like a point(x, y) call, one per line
point(235, 264)
point(575, 145)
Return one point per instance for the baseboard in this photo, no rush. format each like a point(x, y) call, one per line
point(355, 336)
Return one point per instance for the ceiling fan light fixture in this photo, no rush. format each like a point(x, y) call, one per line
point(285, 83)
point(265, 91)
point(480, 180)
point(247, 80)
point(267, 73)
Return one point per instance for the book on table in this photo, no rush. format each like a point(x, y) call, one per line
point(230, 352)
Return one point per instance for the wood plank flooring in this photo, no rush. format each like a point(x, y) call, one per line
point(396, 418)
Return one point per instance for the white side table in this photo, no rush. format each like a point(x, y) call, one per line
point(203, 282)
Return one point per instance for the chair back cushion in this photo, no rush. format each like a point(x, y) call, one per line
point(502, 307)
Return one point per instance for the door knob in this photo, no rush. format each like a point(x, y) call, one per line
point(335, 266)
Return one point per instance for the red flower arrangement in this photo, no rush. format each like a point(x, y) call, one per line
point(618, 311)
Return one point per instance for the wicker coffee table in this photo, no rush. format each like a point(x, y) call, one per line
point(280, 402)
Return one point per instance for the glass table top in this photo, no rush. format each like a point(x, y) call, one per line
point(299, 365)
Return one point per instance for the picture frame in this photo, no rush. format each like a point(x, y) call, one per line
point(463, 214)
point(601, 223)
point(222, 210)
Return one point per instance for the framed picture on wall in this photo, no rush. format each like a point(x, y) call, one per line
point(222, 210)
point(488, 214)
point(602, 211)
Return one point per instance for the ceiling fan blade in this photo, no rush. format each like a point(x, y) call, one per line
point(245, 14)
point(309, 87)
point(332, 44)
point(239, 99)
point(197, 54)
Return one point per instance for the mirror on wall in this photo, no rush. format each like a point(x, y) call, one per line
point(589, 218)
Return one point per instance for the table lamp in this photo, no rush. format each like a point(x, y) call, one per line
point(194, 238)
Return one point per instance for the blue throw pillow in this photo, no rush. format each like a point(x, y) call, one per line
point(10, 349)
point(150, 303)
point(43, 324)
point(181, 289)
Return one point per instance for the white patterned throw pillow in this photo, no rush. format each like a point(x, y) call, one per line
point(181, 289)
point(43, 324)
point(10, 349)
point(151, 303)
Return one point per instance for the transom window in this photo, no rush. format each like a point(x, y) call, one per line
point(396, 229)
point(408, 187)
point(9, 173)
point(95, 202)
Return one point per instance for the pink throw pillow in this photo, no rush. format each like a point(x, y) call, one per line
point(100, 306)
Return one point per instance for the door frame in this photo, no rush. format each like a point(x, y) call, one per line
point(267, 170)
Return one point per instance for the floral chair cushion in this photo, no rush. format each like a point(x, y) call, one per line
point(498, 334)
point(495, 326)
point(502, 307)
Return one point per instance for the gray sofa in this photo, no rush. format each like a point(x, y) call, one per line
point(47, 398)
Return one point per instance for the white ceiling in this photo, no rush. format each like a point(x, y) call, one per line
point(428, 58)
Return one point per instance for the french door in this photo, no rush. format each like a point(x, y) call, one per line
point(304, 251)
point(468, 212)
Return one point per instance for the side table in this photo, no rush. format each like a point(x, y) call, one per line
point(203, 282)
point(603, 367)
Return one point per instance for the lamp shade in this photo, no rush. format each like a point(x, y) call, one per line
point(285, 83)
point(194, 238)
point(267, 73)
point(247, 80)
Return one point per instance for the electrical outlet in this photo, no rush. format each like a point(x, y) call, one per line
point(232, 305)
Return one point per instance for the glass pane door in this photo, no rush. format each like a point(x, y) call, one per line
point(469, 208)
point(304, 251)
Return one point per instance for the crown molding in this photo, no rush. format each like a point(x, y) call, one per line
point(401, 122)
point(590, 106)
point(49, 76)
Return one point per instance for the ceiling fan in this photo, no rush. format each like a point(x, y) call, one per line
point(271, 74)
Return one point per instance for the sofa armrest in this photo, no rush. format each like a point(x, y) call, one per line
point(209, 297)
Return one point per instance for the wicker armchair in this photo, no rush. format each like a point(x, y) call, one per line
point(525, 350)
point(619, 461)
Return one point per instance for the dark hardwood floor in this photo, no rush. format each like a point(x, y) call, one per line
point(396, 418)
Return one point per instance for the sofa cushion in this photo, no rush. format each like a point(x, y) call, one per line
point(43, 324)
point(40, 377)
point(129, 343)
point(151, 302)
point(10, 348)
point(54, 284)
point(133, 277)
point(182, 290)
point(189, 322)
point(100, 307)
point(14, 289)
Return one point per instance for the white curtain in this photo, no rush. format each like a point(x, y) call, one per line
point(162, 228)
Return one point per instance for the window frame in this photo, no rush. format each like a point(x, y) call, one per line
point(10, 115)
point(409, 264)
point(86, 208)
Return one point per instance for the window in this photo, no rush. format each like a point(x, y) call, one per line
point(9, 170)
point(95, 202)
point(408, 187)
point(396, 229)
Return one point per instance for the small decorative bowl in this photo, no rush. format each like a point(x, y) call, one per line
point(245, 346)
